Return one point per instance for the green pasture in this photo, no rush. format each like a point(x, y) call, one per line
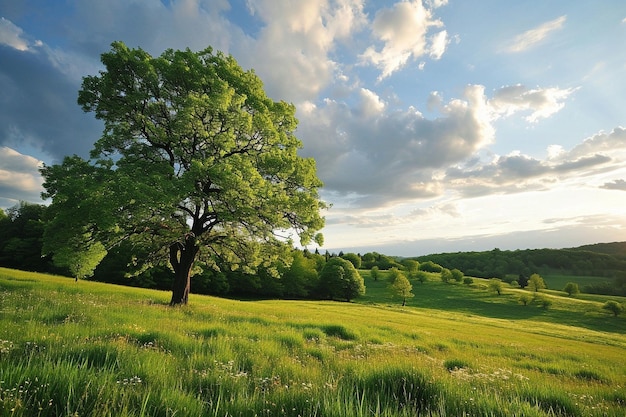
point(89, 349)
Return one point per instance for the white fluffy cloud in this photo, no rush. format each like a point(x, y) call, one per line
point(19, 177)
point(403, 31)
point(293, 51)
point(373, 156)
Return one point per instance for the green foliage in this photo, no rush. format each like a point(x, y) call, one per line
point(301, 278)
point(446, 275)
point(602, 260)
point(525, 298)
point(496, 285)
point(536, 283)
point(468, 280)
point(411, 265)
point(340, 280)
point(191, 144)
point(21, 233)
point(421, 276)
point(353, 258)
point(430, 266)
point(401, 287)
point(543, 300)
point(571, 288)
point(614, 307)
point(457, 275)
point(374, 273)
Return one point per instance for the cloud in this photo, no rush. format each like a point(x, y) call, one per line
point(602, 142)
point(403, 31)
point(615, 185)
point(541, 102)
point(293, 50)
point(12, 35)
point(534, 36)
point(375, 156)
point(19, 177)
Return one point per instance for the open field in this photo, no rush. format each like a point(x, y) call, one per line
point(94, 349)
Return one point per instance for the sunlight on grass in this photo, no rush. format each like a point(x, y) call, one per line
point(86, 348)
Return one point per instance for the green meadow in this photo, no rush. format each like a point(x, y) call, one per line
point(91, 349)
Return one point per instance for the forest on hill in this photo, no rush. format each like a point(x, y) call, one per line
point(22, 227)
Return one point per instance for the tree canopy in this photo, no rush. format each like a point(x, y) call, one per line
point(340, 280)
point(195, 163)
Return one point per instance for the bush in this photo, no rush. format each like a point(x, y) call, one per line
point(614, 307)
point(468, 280)
point(525, 299)
point(571, 288)
point(543, 301)
point(495, 285)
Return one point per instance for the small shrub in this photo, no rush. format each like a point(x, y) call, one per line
point(614, 307)
point(571, 288)
point(543, 301)
point(525, 299)
point(496, 286)
point(468, 280)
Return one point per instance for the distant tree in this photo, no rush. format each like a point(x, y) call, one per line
point(542, 300)
point(522, 280)
point(535, 283)
point(446, 275)
point(430, 266)
point(614, 307)
point(421, 276)
point(411, 265)
point(457, 275)
point(374, 272)
point(468, 280)
point(495, 285)
point(393, 274)
point(402, 288)
point(301, 276)
point(525, 299)
point(353, 258)
point(514, 284)
point(340, 280)
point(571, 288)
point(21, 232)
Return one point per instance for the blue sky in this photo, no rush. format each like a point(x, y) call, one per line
point(437, 125)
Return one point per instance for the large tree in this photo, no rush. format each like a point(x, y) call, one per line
point(195, 163)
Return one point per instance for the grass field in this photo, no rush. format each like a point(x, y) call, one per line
point(91, 349)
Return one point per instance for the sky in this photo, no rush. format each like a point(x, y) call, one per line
point(436, 125)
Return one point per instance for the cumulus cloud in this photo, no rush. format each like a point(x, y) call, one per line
point(517, 172)
point(533, 37)
point(403, 31)
point(19, 177)
point(293, 50)
point(540, 102)
point(381, 157)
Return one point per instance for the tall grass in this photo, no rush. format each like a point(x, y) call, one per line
point(93, 349)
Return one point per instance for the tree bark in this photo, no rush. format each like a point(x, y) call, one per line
point(182, 257)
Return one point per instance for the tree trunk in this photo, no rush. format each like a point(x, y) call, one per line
point(182, 257)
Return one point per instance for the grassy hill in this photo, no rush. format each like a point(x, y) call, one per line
point(96, 349)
